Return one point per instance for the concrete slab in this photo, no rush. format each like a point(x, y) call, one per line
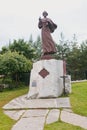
point(16, 103)
point(32, 123)
point(74, 119)
point(42, 103)
point(23, 103)
point(53, 116)
point(15, 114)
point(35, 113)
point(63, 102)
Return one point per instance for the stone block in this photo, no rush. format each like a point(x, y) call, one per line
point(45, 79)
point(53, 116)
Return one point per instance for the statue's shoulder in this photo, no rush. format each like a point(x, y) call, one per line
point(52, 25)
point(48, 19)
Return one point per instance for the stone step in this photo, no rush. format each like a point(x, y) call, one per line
point(23, 103)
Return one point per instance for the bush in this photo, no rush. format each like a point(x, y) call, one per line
point(1, 87)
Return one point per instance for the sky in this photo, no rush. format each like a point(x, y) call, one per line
point(19, 19)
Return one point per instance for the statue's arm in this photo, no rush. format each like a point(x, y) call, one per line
point(40, 23)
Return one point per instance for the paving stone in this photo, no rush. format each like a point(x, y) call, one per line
point(74, 119)
point(35, 103)
point(17, 103)
point(22, 103)
point(35, 113)
point(32, 123)
point(41, 103)
point(53, 116)
point(13, 105)
point(14, 114)
point(63, 102)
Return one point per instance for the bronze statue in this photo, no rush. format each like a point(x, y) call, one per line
point(48, 27)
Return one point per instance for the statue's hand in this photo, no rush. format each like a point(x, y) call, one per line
point(39, 18)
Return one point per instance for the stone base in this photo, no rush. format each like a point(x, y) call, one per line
point(45, 79)
point(22, 103)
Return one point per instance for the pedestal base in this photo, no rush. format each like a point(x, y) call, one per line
point(45, 79)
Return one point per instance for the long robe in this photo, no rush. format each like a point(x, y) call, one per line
point(47, 27)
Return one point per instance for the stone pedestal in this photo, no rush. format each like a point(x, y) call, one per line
point(45, 79)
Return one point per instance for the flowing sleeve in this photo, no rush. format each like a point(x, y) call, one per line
point(52, 25)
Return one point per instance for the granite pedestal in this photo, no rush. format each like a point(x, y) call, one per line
point(45, 79)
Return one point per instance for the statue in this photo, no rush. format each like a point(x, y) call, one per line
point(48, 27)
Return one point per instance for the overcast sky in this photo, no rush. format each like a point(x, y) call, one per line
point(19, 18)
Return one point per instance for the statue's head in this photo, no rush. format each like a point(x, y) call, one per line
point(45, 13)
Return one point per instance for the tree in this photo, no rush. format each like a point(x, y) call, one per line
point(11, 63)
point(73, 60)
point(83, 57)
point(63, 48)
point(37, 45)
point(22, 47)
point(4, 50)
point(31, 39)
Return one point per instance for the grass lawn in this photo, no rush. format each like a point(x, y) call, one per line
point(5, 122)
point(61, 126)
point(78, 98)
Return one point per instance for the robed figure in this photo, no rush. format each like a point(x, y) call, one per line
point(48, 27)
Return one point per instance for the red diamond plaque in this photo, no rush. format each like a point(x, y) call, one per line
point(43, 73)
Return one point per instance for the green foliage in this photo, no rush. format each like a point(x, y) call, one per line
point(31, 39)
point(4, 50)
point(63, 48)
point(16, 58)
point(37, 45)
point(13, 62)
point(23, 48)
point(84, 56)
point(75, 55)
point(1, 87)
point(74, 65)
point(20, 46)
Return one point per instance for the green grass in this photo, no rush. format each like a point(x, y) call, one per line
point(61, 126)
point(5, 122)
point(78, 98)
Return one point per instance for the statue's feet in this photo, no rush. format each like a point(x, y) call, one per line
point(47, 57)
